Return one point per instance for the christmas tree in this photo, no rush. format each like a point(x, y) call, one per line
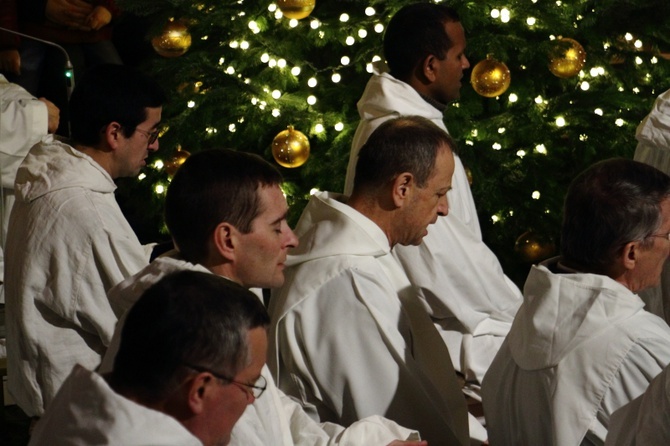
point(583, 75)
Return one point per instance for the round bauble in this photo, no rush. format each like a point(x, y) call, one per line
point(567, 58)
point(490, 78)
point(175, 161)
point(290, 148)
point(533, 247)
point(173, 41)
point(296, 9)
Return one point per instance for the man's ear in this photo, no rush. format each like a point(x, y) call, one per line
point(402, 188)
point(197, 392)
point(225, 240)
point(429, 68)
point(630, 254)
point(112, 133)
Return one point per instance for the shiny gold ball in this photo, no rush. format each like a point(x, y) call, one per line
point(175, 161)
point(296, 9)
point(290, 148)
point(490, 78)
point(567, 60)
point(173, 41)
point(533, 248)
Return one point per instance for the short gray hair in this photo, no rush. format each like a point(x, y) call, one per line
point(611, 203)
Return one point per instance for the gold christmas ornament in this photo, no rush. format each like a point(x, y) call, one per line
point(567, 60)
point(490, 78)
point(173, 41)
point(533, 248)
point(468, 175)
point(290, 148)
point(175, 161)
point(296, 9)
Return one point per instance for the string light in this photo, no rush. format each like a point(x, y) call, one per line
point(293, 23)
point(345, 60)
point(535, 195)
point(598, 111)
point(295, 71)
point(339, 127)
point(560, 121)
point(158, 164)
point(350, 40)
point(336, 78)
point(513, 98)
point(619, 122)
point(496, 146)
point(318, 128)
point(344, 18)
point(314, 24)
point(190, 104)
point(311, 99)
point(311, 82)
point(370, 11)
point(541, 149)
point(379, 28)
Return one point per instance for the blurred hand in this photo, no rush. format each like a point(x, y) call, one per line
point(408, 443)
point(99, 17)
point(54, 115)
point(10, 61)
point(70, 13)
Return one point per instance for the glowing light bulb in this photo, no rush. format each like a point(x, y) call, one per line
point(318, 128)
point(362, 33)
point(584, 86)
point(339, 126)
point(344, 18)
point(598, 111)
point(538, 99)
point(265, 57)
point(244, 45)
point(158, 164)
point(281, 63)
point(495, 13)
point(295, 71)
point(314, 24)
point(336, 78)
point(505, 15)
point(560, 121)
point(496, 146)
point(350, 40)
point(293, 23)
point(521, 153)
point(276, 113)
point(540, 148)
point(370, 11)
point(619, 122)
point(141, 176)
point(513, 98)
point(311, 99)
point(495, 218)
point(535, 195)
point(314, 191)
point(311, 82)
point(379, 28)
point(345, 60)
point(531, 21)
point(276, 94)
point(190, 104)
point(232, 128)
point(159, 189)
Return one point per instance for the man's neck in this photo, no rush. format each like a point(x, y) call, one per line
point(99, 156)
point(438, 105)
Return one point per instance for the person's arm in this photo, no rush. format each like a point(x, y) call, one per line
point(24, 121)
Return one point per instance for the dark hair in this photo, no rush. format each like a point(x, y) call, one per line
point(415, 32)
point(187, 317)
point(608, 205)
point(214, 186)
point(405, 144)
point(111, 93)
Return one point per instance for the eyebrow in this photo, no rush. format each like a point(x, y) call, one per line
point(280, 219)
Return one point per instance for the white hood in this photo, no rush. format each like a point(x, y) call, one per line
point(588, 303)
point(53, 165)
point(320, 228)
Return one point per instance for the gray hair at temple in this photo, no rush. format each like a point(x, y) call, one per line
point(611, 203)
point(406, 144)
point(185, 318)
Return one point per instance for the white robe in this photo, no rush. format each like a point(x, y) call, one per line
point(581, 346)
point(653, 148)
point(86, 411)
point(465, 290)
point(24, 120)
point(340, 339)
point(68, 244)
point(645, 421)
point(274, 419)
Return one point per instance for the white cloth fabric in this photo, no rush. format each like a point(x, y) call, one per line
point(274, 419)
point(340, 340)
point(653, 148)
point(68, 243)
point(87, 411)
point(581, 346)
point(24, 120)
point(465, 290)
point(645, 421)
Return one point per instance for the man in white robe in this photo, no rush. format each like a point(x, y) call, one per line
point(227, 215)
point(188, 365)
point(24, 120)
point(470, 299)
point(68, 242)
point(348, 331)
point(653, 148)
point(582, 345)
point(645, 420)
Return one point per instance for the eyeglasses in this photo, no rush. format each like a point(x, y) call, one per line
point(151, 136)
point(665, 236)
point(256, 389)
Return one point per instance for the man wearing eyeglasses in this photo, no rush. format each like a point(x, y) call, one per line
point(227, 216)
point(188, 349)
point(68, 242)
point(582, 345)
